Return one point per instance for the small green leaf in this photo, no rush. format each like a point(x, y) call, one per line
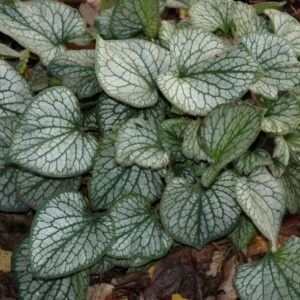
point(246, 21)
point(262, 6)
point(242, 234)
point(276, 276)
point(110, 181)
point(66, 237)
point(212, 14)
point(14, 91)
point(278, 61)
point(31, 288)
point(285, 26)
point(195, 216)
point(291, 184)
point(137, 142)
point(34, 190)
point(190, 146)
point(279, 124)
point(206, 76)
point(138, 232)
point(252, 160)
point(171, 135)
point(148, 12)
point(38, 78)
point(48, 139)
point(76, 70)
point(41, 26)
point(127, 70)
point(112, 113)
point(261, 197)
point(226, 133)
point(128, 18)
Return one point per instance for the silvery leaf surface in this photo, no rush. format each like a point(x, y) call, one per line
point(14, 91)
point(262, 198)
point(276, 276)
point(138, 143)
point(49, 139)
point(41, 26)
point(66, 237)
point(110, 180)
point(31, 288)
point(76, 70)
point(194, 215)
point(278, 60)
point(138, 231)
point(285, 26)
point(207, 75)
point(212, 14)
point(9, 200)
point(34, 189)
point(127, 70)
point(111, 113)
point(247, 21)
point(226, 133)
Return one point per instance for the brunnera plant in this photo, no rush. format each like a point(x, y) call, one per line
point(183, 132)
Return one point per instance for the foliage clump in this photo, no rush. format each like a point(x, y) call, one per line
point(183, 132)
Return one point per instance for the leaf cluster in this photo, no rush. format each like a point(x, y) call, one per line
point(182, 132)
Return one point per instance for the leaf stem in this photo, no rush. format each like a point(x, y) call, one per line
point(254, 98)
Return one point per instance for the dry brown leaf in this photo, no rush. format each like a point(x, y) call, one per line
point(5, 260)
point(101, 291)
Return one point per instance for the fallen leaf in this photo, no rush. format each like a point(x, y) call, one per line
point(226, 290)
point(101, 291)
point(5, 260)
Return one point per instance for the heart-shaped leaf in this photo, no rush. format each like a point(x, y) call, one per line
point(49, 140)
point(127, 70)
point(285, 26)
point(138, 232)
point(40, 26)
point(8, 198)
point(262, 198)
point(195, 216)
point(38, 78)
point(109, 180)
point(246, 21)
point(137, 142)
point(278, 61)
point(34, 190)
point(31, 288)
point(112, 113)
point(276, 276)
point(212, 14)
point(242, 234)
point(14, 91)
point(205, 77)
point(226, 133)
point(66, 237)
point(76, 69)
